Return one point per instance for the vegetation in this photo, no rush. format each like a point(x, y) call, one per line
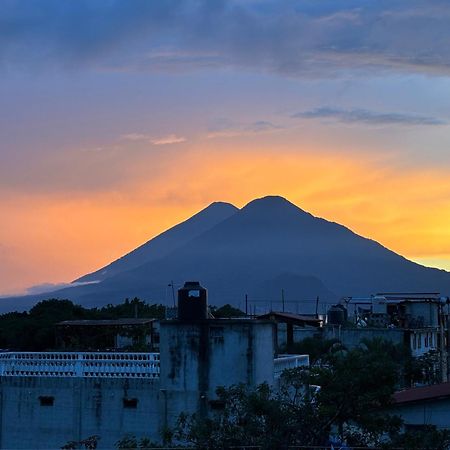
point(35, 330)
point(226, 311)
point(89, 443)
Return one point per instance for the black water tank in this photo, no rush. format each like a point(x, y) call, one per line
point(337, 315)
point(192, 302)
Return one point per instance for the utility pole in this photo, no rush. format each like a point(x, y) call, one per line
point(246, 304)
point(282, 298)
point(317, 307)
point(173, 293)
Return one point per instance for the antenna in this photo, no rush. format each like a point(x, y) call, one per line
point(173, 293)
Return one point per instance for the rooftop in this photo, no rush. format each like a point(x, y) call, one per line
point(424, 393)
point(107, 322)
point(295, 319)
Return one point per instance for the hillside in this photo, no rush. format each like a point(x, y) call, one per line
point(268, 245)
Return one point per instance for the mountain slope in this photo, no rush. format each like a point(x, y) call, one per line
point(269, 237)
point(269, 245)
point(165, 242)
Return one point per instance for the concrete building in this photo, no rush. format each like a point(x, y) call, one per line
point(415, 320)
point(423, 406)
point(48, 399)
point(111, 334)
point(292, 327)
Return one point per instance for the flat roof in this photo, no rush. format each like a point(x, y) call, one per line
point(292, 318)
point(106, 322)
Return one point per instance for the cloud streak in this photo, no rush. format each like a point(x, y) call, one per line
point(167, 140)
point(292, 38)
point(164, 140)
point(368, 117)
point(227, 129)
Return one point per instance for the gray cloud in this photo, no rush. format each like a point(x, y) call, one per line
point(368, 117)
point(298, 38)
point(228, 128)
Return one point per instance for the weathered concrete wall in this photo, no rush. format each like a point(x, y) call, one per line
point(196, 358)
point(82, 407)
point(425, 313)
point(436, 412)
point(351, 337)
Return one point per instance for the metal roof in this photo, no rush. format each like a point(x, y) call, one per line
point(296, 319)
point(424, 393)
point(106, 322)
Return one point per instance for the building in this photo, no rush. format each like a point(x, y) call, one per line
point(50, 398)
point(292, 327)
point(418, 317)
point(117, 334)
point(423, 406)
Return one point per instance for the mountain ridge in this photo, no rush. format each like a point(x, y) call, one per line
point(258, 245)
point(164, 242)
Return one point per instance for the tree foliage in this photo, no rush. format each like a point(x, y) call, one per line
point(35, 330)
point(226, 311)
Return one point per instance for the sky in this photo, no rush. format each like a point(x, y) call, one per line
point(119, 119)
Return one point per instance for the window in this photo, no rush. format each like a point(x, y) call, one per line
point(414, 341)
point(217, 405)
point(419, 340)
point(130, 403)
point(46, 400)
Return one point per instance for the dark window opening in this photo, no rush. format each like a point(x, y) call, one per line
point(130, 402)
point(217, 405)
point(46, 400)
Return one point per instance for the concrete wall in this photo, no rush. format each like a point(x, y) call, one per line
point(299, 333)
point(196, 358)
point(436, 412)
point(82, 407)
point(351, 337)
point(427, 313)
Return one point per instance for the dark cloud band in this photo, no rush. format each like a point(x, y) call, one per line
point(301, 38)
point(368, 117)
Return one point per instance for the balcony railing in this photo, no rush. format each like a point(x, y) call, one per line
point(104, 365)
point(284, 362)
point(80, 364)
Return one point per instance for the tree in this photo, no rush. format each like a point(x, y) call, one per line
point(35, 330)
point(226, 311)
point(427, 438)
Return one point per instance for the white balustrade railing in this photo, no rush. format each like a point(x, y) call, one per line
point(284, 362)
point(80, 364)
point(106, 365)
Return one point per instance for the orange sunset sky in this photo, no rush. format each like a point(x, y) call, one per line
point(110, 138)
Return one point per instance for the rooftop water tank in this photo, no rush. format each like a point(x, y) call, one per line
point(337, 315)
point(192, 302)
